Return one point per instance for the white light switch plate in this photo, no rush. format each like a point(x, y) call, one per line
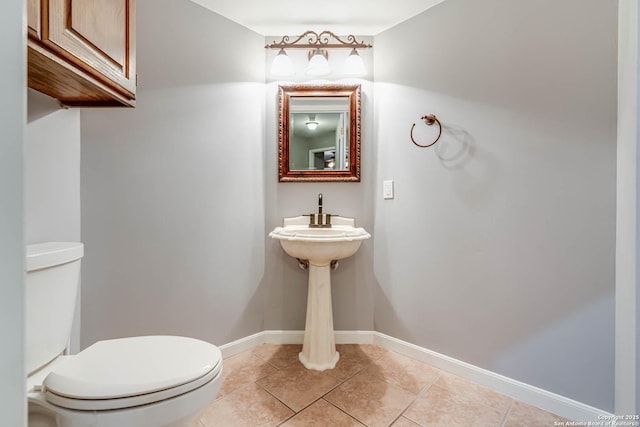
point(387, 189)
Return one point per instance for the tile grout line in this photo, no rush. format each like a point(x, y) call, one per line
point(462, 398)
point(506, 414)
point(394, 383)
point(340, 382)
point(424, 390)
point(364, 368)
point(269, 363)
point(278, 399)
point(275, 397)
point(341, 410)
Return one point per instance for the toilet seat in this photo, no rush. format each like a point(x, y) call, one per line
point(127, 372)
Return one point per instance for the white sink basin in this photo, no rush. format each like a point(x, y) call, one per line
point(319, 246)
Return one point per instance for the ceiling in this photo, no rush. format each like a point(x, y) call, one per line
point(294, 17)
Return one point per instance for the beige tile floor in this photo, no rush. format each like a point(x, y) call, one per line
point(370, 386)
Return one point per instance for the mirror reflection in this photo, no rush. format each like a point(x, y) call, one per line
point(319, 133)
point(319, 137)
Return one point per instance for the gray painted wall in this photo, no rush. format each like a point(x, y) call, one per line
point(52, 178)
point(12, 121)
point(173, 190)
point(498, 248)
point(52, 171)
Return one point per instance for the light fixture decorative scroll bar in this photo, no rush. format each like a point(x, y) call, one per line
point(324, 40)
point(318, 44)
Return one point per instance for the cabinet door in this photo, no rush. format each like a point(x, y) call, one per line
point(96, 35)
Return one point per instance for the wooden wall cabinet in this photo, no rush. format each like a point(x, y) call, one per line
point(83, 52)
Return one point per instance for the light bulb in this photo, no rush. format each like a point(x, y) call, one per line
point(354, 65)
point(318, 64)
point(312, 125)
point(282, 65)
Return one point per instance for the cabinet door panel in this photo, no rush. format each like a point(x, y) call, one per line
point(33, 18)
point(96, 35)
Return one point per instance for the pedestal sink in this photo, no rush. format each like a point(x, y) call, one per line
point(318, 248)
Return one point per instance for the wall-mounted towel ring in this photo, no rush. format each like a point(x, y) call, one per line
point(429, 119)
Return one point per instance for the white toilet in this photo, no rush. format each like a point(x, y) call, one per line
point(150, 381)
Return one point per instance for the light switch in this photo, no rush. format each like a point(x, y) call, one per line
point(387, 189)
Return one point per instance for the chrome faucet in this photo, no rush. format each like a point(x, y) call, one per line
point(320, 220)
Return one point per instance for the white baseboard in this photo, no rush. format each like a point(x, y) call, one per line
point(526, 393)
point(355, 337)
point(284, 337)
point(241, 345)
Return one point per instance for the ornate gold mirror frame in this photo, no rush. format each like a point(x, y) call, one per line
point(297, 103)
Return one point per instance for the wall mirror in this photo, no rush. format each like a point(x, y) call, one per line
point(319, 133)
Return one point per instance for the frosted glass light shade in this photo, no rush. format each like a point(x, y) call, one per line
point(318, 65)
point(312, 125)
point(354, 65)
point(282, 65)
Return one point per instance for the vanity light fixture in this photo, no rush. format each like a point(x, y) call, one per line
point(312, 124)
point(318, 46)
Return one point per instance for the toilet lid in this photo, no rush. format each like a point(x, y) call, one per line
point(128, 372)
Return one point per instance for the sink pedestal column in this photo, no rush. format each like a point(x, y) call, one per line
point(319, 348)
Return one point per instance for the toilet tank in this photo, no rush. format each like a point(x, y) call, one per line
point(53, 276)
